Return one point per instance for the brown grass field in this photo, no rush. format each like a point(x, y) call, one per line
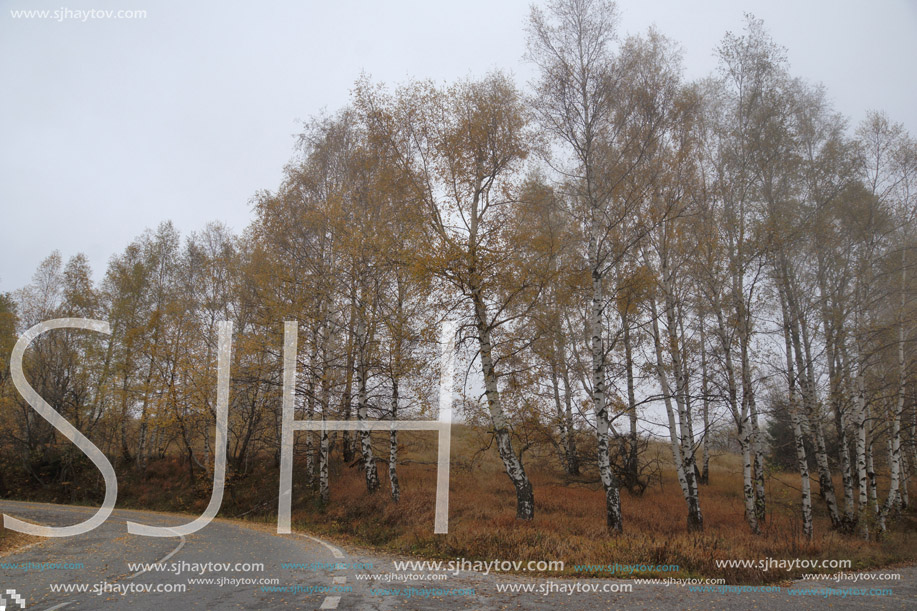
point(569, 519)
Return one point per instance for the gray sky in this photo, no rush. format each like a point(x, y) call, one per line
point(110, 126)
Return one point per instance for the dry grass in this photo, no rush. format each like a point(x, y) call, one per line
point(569, 513)
point(569, 521)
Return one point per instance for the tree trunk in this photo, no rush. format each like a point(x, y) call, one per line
point(905, 502)
point(613, 519)
point(871, 472)
point(796, 421)
point(840, 423)
point(324, 449)
point(393, 446)
point(757, 447)
point(837, 375)
point(684, 466)
point(323, 487)
point(740, 416)
point(825, 482)
point(559, 375)
point(561, 421)
point(631, 465)
point(799, 440)
point(125, 445)
point(310, 414)
point(862, 482)
point(525, 500)
point(347, 398)
point(751, 513)
point(570, 448)
point(894, 441)
point(366, 446)
point(705, 391)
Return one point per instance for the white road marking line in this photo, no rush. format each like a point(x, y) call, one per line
point(164, 558)
point(334, 551)
point(330, 602)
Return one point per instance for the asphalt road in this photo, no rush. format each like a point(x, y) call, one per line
point(303, 572)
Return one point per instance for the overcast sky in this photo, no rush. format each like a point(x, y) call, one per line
point(110, 126)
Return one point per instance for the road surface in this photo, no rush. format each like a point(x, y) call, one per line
point(218, 568)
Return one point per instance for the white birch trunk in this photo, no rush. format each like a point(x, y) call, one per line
point(799, 440)
point(705, 392)
point(613, 520)
point(747, 479)
point(680, 444)
point(324, 492)
point(393, 447)
point(871, 472)
point(860, 437)
point(525, 500)
point(366, 446)
point(740, 415)
point(796, 422)
point(894, 441)
point(905, 501)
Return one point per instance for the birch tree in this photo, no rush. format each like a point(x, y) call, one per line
point(889, 170)
point(743, 100)
point(462, 149)
point(572, 47)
